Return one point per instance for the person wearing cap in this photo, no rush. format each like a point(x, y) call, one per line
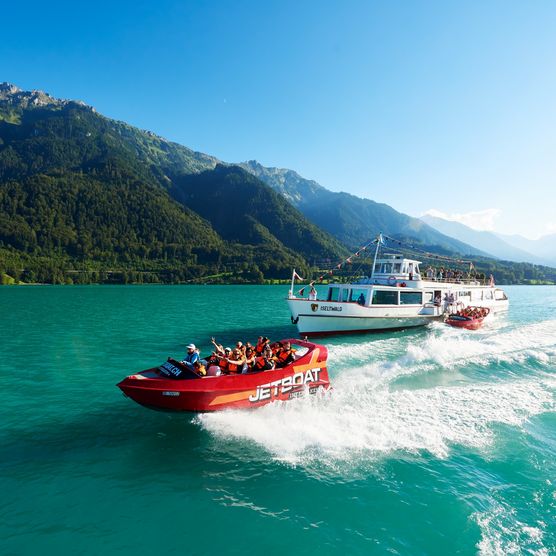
point(191, 358)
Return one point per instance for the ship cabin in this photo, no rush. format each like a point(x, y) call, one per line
point(392, 283)
point(393, 270)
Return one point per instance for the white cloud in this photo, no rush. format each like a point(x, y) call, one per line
point(478, 220)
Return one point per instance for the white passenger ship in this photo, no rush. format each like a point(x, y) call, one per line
point(396, 295)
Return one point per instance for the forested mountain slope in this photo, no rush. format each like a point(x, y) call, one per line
point(81, 191)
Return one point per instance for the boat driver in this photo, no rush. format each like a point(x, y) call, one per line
point(191, 358)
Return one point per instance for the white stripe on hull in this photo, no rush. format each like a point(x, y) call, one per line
point(308, 324)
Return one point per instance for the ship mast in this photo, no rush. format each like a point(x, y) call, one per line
point(379, 240)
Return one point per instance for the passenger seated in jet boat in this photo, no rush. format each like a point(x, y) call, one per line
point(265, 361)
point(284, 354)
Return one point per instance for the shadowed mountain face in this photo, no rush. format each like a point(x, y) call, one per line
point(242, 208)
point(351, 219)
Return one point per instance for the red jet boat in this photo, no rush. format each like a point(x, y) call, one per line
point(174, 387)
point(471, 318)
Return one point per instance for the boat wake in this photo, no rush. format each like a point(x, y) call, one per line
point(451, 348)
point(365, 419)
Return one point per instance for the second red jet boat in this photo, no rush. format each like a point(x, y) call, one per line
point(471, 318)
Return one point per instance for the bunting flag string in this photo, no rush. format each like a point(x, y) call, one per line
point(339, 265)
point(427, 253)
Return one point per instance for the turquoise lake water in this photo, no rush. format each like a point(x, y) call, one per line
point(433, 441)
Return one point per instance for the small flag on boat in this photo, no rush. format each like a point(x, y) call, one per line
point(301, 291)
point(296, 275)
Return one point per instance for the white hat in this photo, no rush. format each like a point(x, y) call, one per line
point(227, 349)
point(191, 346)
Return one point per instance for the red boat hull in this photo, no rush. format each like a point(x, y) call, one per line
point(472, 324)
point(155, 390)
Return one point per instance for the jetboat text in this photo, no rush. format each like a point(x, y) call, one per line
point(271, 389)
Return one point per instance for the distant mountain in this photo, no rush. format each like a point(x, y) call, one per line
point(79, 189)
point(352, 220)
point(543, 248)
point(509, 248)
point(486, 241)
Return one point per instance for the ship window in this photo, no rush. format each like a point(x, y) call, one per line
point(499, 294)
point(428, 297)
point(333, 294)
point(487, 295)
point(381, 297)
point(397, 268)
point(356, 295)
point(411, 298)
point(345, 294)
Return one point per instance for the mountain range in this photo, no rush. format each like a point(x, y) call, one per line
point(88, 198)
point(511, 248)
point(353, 220)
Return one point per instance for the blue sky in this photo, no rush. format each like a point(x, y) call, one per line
point(424, 105)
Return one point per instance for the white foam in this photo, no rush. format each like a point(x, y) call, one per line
point(502, 533)
point(359, 420)
point(451, 348)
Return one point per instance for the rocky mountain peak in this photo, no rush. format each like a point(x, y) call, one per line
point(8, 88)
point(15, 97)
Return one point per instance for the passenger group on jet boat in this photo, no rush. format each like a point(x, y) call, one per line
point(242, 359)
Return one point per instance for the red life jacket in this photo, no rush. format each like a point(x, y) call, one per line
point(232, 368)
point(285, 356)
point(262, 364)
point(260, 347)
